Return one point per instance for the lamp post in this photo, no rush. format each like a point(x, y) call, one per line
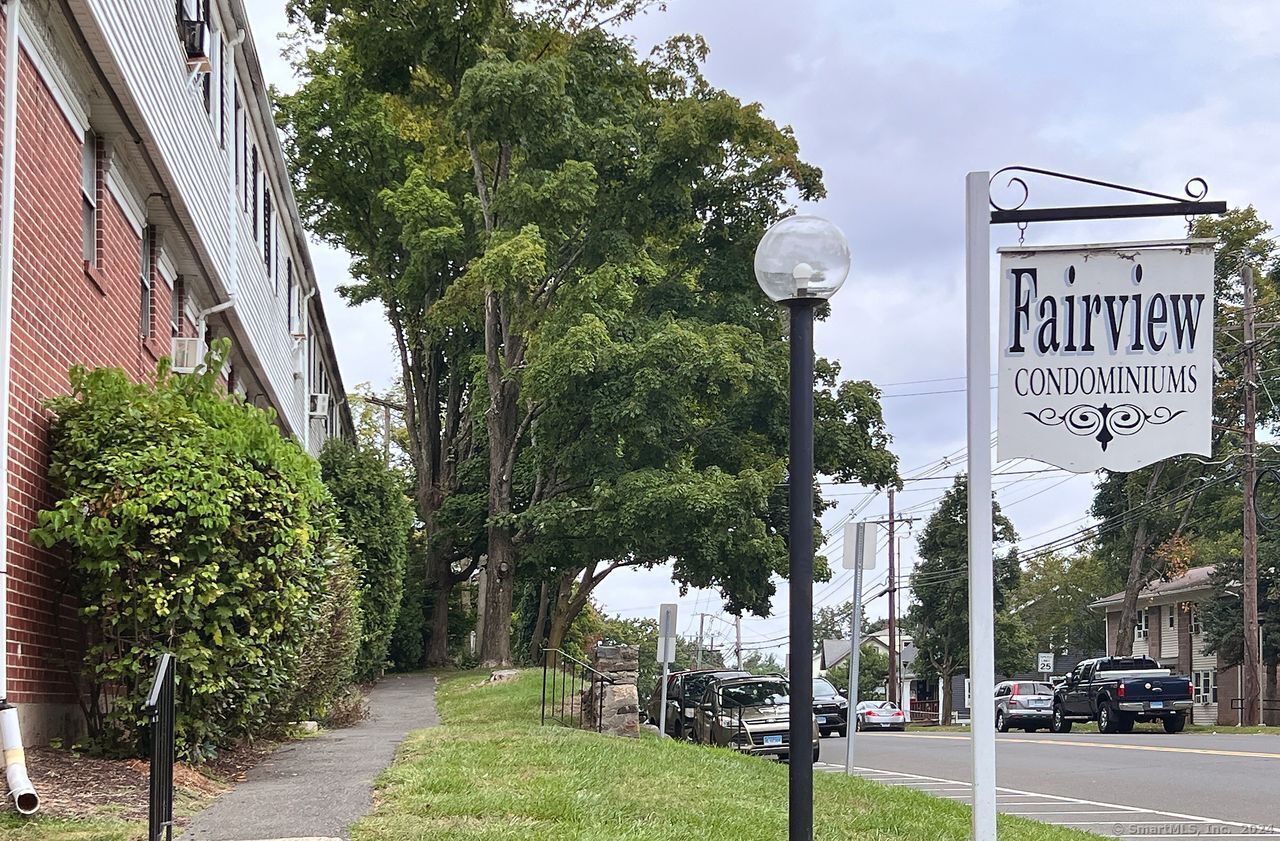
point(801, 261)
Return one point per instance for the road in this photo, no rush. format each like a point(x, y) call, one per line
point(1143, 785)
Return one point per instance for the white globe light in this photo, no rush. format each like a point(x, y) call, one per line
point(802, 257)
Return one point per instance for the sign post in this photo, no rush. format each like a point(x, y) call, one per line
point(1054, 419)
point(666, 654)
point(859, 554)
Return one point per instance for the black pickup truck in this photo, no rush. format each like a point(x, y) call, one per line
point(1117, 692)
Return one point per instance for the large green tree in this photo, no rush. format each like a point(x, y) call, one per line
point(939, 618)
point(561, 234)
point(1153, 520)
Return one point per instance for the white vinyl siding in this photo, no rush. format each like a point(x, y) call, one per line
point(143, 56)
point(1169, 633)
point(1204, 713)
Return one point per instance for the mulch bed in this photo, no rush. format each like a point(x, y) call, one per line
point(73, 785)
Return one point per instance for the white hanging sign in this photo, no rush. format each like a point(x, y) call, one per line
point(1106, 353)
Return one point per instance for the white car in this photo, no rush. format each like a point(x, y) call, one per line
point(880, 715)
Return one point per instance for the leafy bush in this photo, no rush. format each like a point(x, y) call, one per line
point(408, 645)
point(193, 527)
point(377, 517)
point(332, 645)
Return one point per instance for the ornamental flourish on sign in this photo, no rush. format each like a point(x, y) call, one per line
point(1104, 422)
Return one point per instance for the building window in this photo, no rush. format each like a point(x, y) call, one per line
point(1173, 617)
point(266, 229)
point(235, 134)
point(1195, 622)
point(247, 180)
point(145, 264)
point(253, 181)
point(289, 303)
point(1141, 626)
point(288, 274)
point(222, 93)
point(1205, 684)
point(89, 196)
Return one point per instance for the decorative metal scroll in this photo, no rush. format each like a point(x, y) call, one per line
point(1104, 422)
point(1191, 203)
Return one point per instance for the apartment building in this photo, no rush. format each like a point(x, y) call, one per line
point(147, 210)
point(1168, 629)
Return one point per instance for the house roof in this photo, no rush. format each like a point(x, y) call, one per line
point(1192, 581)
point(835, 652)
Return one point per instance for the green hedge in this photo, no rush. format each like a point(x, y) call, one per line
point(376, 517)
point(193, 527)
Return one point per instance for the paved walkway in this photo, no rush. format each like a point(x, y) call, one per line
point(319, 787)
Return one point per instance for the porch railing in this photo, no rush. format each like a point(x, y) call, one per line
point(568, 685)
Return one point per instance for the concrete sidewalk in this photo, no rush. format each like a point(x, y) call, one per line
point(318, 787)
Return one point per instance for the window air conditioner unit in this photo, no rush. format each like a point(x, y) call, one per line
point(192, 31)
point(184, 355)
point(319, 407)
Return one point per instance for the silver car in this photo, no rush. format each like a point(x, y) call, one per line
point(1023, 703)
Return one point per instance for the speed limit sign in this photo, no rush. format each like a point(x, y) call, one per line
point(1044, 661)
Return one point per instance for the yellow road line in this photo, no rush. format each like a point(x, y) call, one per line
point(1111, 745)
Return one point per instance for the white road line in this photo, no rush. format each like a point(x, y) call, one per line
point(1120, 810)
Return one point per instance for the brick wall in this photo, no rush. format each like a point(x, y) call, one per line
point(65, 313)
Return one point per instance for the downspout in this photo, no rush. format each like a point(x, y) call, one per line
point(305, 346)
point(24, 794)
point(233, 257)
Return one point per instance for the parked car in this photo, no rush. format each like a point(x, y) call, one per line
point(1118, 692)
point(749, 714)
point(879, 715)
point(1023, 703)
point(830, 708)
point(684, 690)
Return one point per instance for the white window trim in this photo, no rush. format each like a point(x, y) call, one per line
point(1141, 626)
point(166, 267)
point(120, 185)
point(42, 58)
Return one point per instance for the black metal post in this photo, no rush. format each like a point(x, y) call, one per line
point(800, 538)
point(544, 687)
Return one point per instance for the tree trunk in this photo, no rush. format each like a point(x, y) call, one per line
point(539, 627)
point(502, 351)
point(441, 583)
point(944, 705)
point(560, 620)
point(1137, 578)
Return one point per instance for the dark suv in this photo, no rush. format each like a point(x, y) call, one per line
point(830, 707)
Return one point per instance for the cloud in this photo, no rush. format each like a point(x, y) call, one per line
point(896, 102)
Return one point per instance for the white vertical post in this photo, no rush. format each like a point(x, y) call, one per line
point(982, 670)
point(855, 657)
point(662, 715)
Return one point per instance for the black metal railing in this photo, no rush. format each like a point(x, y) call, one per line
point(160, 709)
point(570, 690)
point(1267, 706)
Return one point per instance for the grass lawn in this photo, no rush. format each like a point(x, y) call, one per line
point(491, 772)
point(15, 828)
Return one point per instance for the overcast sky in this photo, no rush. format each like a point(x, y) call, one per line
point(896, 102)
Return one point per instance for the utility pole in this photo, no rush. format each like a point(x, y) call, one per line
point(893, 608)
point(386, 435)
point(1251, 701)
point(737, 645)
point(697, 659)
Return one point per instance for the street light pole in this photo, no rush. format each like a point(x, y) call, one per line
point(800, 482)
point(800, 262)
